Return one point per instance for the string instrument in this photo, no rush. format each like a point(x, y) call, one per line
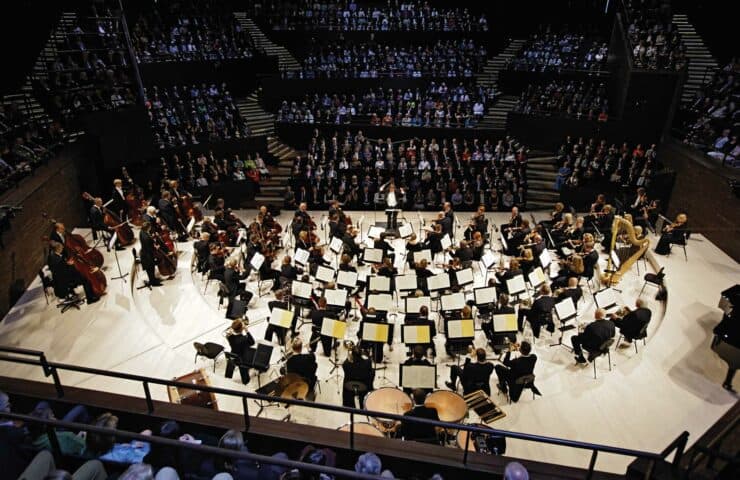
point(163, 257)
point(113, 221)
point(135, 204)
point(75, 243)
point(163, 233)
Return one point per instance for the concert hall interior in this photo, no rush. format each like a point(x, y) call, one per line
point(274, 239)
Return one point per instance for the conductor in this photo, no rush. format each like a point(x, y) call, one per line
point(392, 203)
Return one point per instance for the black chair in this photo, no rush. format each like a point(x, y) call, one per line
point(640, 336)
point(223, 292)
point(604, 349)
point(681, 241)
point(210, 350)
point(653, 279)
point(261, 281)
point(527, 382)
point(234, 361)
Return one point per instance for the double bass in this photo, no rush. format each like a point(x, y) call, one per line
point(75, 243)
point(163, 256)
point(113, 221)
point(135, 202)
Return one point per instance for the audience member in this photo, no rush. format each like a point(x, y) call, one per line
point(545, 52)
point(565, 98)
point(655, 42)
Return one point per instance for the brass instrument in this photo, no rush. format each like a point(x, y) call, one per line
point(230, 331)
point(621, 226)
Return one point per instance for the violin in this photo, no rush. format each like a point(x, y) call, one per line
point(123, 229)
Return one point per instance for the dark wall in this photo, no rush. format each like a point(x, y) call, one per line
point(548, 133)
point(54, 189)
point(619, 66)
point(239, 75)
point(514, 82)
point(703, 192)
point(120, 137)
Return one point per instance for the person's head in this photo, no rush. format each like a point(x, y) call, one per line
point(599, 314)
point(297, 345)
point(286, 260)
point(525, 348)
point(231, 263)
point(640, 303)
point(480, 355)
point(515, 471)
point(322, 302)
point(205, 236)
point(514, 211)
point(237, 326)
point(117, 183)
point(232, 440)
point(545, 290)
point(98, 202)
point(151, 211)
point(369, 463)
point(59, 227)
point(572, 282)
point(559, 207)
point(466, 312)
point(346, 259)
point(503, 299)
point(682, 218)
point(99, 443)
point(514, 264)
point(169, 429)
point(57, 247)
point(138, 471)
point(418, 352)
point(423, 311)
point(146, 226)
point(419, 395)
point(43, 412)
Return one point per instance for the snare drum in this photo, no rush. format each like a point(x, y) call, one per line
point(387, 400)
point(364, 428)
point(450, 406)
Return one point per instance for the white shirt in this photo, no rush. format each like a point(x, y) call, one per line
point(391, 199)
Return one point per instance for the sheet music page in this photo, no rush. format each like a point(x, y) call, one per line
point(335, 245)
point(406, 282)
point(485, 295)
point(453, 301)
point(336, 297)
point(462, 328)
point(438, 282)
point(419, 376)
point(516, 285)
point(416, 334)
point(565, 308)
point(382, 302)
point(375, 332)
point(300, 289)
point(347, 279)
point(405, 230)
point(325, 274)
point(464, 276)
point(505, 322)
point(422, 255)
point(536, 277)
point(375, 232)
point(333, 328)
point(488, 259)
point(301, 256)
point(380, 283)
point(446, 242)
point(373, 255)
point(281, 318)
point(545, 258)
point(413, 304)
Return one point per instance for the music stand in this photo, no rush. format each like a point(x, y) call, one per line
point(347, 279)
point(440, 281)
point(381, 302)
point(379, 283)
point(302, 292)
point(405, 230)
point(377, 333)
point(516, 286)
point(536, 278)
point(301, 257)
point(606, 299)
point(452, 302)
point(504, 325)
point(335, 329)
point(372, 255)
point(464, 277)
point(418, 376)
point(488, 261)
point(414, 304)
point(412, 335)
point(460, 334)
point(406, 283)
point(545, 260)
point(425, 254)
point(259, 359)
point(325, 274)
point(566, 311)
point(112, 246)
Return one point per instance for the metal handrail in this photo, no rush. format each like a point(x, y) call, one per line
point(51, 369)
point(51, 424)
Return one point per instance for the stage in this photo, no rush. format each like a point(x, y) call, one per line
point(649, 398)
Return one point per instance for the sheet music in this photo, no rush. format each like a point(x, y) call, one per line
point(505, 322)
point(457, 329)
point(375, 232)
point(464, 276)
point(607, 299)
point(112, 242)
point(347, 279)
point(446, 242)
point(375, 332)
point(516, 285)
point(418, 376)
point(383, 302)
point(336, 245)
point(438, 282)
point(281, 318)
point(453, 301)
point(545, 258)
point(615, 260)
point(331, 327)
point(565, 309)
point(300, 289)
point(379, 283)
point(414, 334)
point(257, 260)
point(336, 297)
point(537, 277)
point(301, 256)
point(406, 282)
point(325, 274)
point(373, 255)
point(405, 230)
point(488, 259)
point(485, 295)
point(422, 255)
point(413, 304)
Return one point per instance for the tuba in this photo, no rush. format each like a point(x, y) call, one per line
point(637, 248)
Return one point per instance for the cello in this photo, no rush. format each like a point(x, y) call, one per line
point(113, 221)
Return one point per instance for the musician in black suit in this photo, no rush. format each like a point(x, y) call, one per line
point(632, 324)
point(434, 239)
point(303, 364)
point(382, 244)
point(423, 319)
point(464, 253)
point(59, 234)
point(202, 249)
point(317, 321)
point(280, 331)
point(515, 221)
point(473, 376)
point(239, 340)
point(150, 215)
point(593, 336)
point(506, 275)
point(446, 222)
point(417, 431)
point(539, 314)
point(118, 196)
point(573, 291)
point(356, 369)
point(673, 233)
point(502, 307)
point(167, 211)
point(392, 203)
point(512, 369)
point(64, 275)
point(146, 254)
point(234, 286)
point(97, 223)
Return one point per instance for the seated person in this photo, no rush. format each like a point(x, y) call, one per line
point(317, 320)
point(239, 342)
point(422, 318)
point(356, 369)
point(632, 324)
point(281, 332)
point(64, 275)
point(593, 336)
point(496, 339)
point(303, 364)
point(512, 369)
point(202, 251)
point(573, 291)
point(417, 358)
point(453, 346)
point(473, 376)
point(540, 314)
point(512, 272)
point(417, 431)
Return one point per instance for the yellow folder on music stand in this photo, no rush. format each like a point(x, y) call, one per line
point(375, 332)
point(281, 318)
point(461, 328)
point(414, 334)
point(333, 328)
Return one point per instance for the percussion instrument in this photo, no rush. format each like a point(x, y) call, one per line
point(363, 428)
point(387, 400)
point(450, 406)
point(462, 437)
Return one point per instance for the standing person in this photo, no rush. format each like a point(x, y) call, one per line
point(146, 254)
point(119, 204)
point(392, 203)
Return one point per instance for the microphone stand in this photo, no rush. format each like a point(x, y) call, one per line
point(121, 276)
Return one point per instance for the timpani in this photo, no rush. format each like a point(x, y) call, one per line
point(450, 406)
point(387, 400)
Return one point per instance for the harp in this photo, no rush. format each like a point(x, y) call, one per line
point(627, 247)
